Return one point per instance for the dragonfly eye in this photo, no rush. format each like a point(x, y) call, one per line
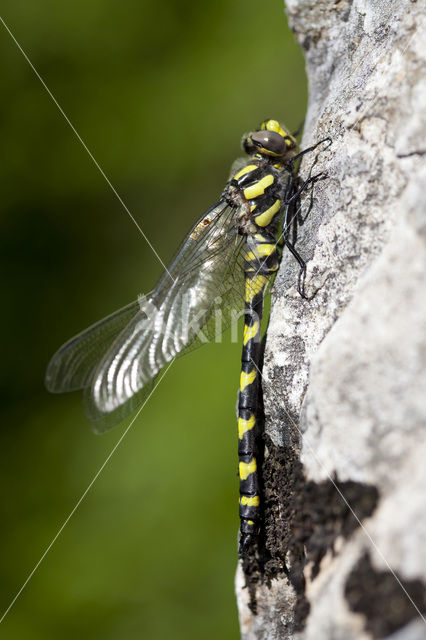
point(269, 143)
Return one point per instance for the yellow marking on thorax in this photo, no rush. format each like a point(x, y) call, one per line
point(250, 332)
point(265, 218)
point(245, 425)
point(260, 251)
point(254, 286)
point(247, 468)
point(258, 188)
point(244, 170)
point(247, 378)
point(250, 501)
point(264, 249)
point(250, 522)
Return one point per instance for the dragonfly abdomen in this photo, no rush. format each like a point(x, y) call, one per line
point(261, 262)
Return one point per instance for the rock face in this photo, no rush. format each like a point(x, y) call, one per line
point(344, 553)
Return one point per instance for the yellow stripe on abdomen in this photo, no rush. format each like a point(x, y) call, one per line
point(247, 468)
point(250, 332)
point(250, 501)
point(247, 378)
point(245, 425)
point(254, 286)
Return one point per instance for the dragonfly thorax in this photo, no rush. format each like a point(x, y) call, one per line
point(257, 191)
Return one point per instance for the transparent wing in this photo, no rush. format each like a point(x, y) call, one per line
point(117, 359)
point(72, 366)
point(102, 422)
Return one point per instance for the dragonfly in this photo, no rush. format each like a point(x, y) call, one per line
point(225, 264)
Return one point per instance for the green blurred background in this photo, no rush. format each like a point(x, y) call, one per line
point(161, 93)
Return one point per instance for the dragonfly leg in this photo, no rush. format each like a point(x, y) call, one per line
point(293, 217)
point(302, 272)
point(310, 180)
point(308, 150)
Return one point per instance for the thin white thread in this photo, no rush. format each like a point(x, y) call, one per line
point(368, 535)
point(86, 148)
point(82, 496)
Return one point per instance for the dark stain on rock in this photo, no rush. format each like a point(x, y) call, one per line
point(381, 600)
point(301, 522)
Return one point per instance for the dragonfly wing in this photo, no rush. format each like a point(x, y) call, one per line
point(228, 304)
point(101, 421)
point(206, 274)
point(72, 366)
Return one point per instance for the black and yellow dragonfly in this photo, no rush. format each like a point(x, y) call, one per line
point(225, 264)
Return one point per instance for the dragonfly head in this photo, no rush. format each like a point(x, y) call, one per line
point(271, 139)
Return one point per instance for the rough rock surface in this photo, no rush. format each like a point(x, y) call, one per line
point(345, 372)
